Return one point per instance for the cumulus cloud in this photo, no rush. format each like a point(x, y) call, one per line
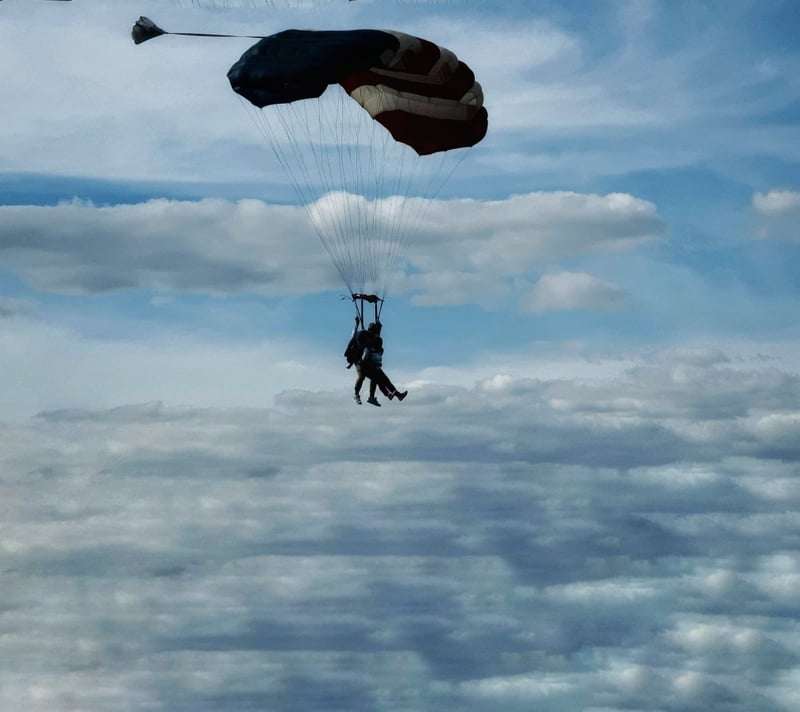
point(572, 290)
point(779, 211)
point(622, 543)
point(222, 247)
point(210, 246)
point(511, 235)
point(777, 202)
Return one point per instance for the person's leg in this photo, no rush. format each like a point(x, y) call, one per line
point(359, 382)
point(369, 372)
point(372, 399)
point(388, 388)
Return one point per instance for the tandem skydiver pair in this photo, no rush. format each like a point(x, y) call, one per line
point(365, 352)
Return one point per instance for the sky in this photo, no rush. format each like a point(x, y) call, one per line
point(590, 499)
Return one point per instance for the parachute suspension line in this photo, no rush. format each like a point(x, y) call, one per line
point(383, 202)
point(272, 140)
point(399, 228)
point(384, 190)
point(306, 196)
point(375, 168)
point(358, 160)
point(345, 176)
point(269, 131)
point(326, 223)
point(425, 202)
point(338, 225)
point(364, 193)
point(403, 227)
point(319, 217)
point(388, 164)
point(348, 166)
point(323, 219)
point(366, 162)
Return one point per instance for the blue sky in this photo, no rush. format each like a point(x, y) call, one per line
point(589, 500)
point(687, 107)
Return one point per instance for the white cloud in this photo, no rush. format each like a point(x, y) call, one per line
point(472, 248)
point(779, 213)
point(210, 246)
point(54, 366)
point(512, 235)
point(777, 202)
point(563, 542)
point(572, 290)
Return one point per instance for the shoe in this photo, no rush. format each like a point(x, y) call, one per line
point(357, 398)
point(401, 395)
point(373, 401)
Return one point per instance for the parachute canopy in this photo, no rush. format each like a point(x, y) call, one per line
point(420, 92)
point(367, 125)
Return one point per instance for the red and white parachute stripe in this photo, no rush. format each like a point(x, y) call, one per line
point(423, 95)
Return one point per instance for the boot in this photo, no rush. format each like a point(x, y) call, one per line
point(401, 395)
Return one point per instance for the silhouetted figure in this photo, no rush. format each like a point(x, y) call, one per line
point(365, 350)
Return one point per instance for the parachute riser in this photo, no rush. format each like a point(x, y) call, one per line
point(374, 299)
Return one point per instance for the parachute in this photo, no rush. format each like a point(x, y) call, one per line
point(367, 125)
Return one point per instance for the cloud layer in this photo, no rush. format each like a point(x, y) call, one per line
point(221, 247)
point(572, 290)
point(604, 544)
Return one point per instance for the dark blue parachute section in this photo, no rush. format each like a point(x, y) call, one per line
point(300, 64)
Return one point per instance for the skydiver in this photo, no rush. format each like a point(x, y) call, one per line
point(366, 351)
point(372, 366)
point(353, 353)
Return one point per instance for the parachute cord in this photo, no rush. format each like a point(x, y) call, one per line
point(439, 178)
point(331, 237)
point(364, 193)
point(397, 203)
point(344, 175)
point(262, 124)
